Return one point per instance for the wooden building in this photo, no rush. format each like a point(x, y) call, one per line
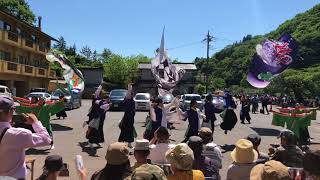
point(23, 47)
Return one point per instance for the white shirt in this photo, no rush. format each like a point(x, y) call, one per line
point(158, 151)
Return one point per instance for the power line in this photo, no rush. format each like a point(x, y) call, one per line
point(185, 45)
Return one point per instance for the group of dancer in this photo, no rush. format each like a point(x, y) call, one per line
point(159, 113)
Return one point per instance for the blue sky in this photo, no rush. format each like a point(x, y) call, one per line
point(131, 27)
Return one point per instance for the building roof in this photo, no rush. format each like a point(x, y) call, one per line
point(28, 25)
point(187, 66)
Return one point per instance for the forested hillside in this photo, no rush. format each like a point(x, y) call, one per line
point(229, 67)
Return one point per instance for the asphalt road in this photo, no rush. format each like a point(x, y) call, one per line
point(69, 138)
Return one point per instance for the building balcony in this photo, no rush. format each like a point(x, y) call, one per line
point(52, 74)
point(29, 45)
point(10, 67)
point(28, 70)
point(42, 49)
point(11, 38)
point(40, 72)
point(14, 67)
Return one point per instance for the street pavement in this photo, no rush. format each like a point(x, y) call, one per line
point(69, 138)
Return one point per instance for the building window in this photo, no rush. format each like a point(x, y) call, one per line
point(12, 67)
point(1, 24)
point(5, 55)
point(7, 27)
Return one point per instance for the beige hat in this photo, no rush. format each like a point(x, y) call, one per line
point(142, 144)
point(117, 153)
point(181, 157)
point(148, 172)
point(244, 152)
point(271, 170)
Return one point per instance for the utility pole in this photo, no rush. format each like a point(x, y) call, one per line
point(208, 39)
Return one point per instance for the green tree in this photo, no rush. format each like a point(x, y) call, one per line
point(86, 52)
point(200, 88)
point(61, 45)
point(19, 9)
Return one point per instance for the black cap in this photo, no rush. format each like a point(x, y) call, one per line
point(254, 138)
point(54, 163)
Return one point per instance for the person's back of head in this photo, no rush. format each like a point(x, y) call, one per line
point(311, 162)
point(209, 98)
point(163, 135)
point(255, 139)
point(141, 150)
point(52, 167)
point(195, 143)
point(271, 170)
point(206, 135)
point(288, 138)
point(118, 164)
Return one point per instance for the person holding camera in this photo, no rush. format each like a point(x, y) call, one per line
point(14, 141)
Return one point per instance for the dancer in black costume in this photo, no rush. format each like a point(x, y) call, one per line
point(126, 124)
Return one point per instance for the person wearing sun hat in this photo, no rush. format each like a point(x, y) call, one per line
point(271, 170)
point(118, 164)
point(244, 157)
point(181, 159)
point(147, 172)
point(141, 151)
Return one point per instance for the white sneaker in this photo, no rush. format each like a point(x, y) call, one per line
point(52, 147)
point(90, 145)
point(84, 124)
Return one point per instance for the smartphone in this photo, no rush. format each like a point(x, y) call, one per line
point(65, 171)
point(79, 162)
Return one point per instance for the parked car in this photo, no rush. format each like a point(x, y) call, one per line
point(71, 100)
point(142, 101)
point(38, 90)
point(44, 95)
point(185, 104)
point(4, 90)
point(116, 98)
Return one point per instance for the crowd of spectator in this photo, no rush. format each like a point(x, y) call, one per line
point(197, 159)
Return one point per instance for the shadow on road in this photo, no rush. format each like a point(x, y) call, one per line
point(59, 127)
point(227, 147)
point(32, 151)
point(90, 151)
point(266, 131)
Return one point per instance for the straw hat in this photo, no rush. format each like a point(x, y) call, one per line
point(117, 153)
point(271, 170)
point(181, 156)
point(244, 152)
point(142, 145)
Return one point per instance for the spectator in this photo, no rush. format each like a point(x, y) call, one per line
point(311, 161)
point(181, 160)
point(271, 170)
point(141, 152)
point(14, 141)
point(118, 164)
point(288, 154)
point(244, 157)
point(53, 166)
point(147, 172)
point(255, 139)
point(211, 151)
point(158, 151)
point(195, 143)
